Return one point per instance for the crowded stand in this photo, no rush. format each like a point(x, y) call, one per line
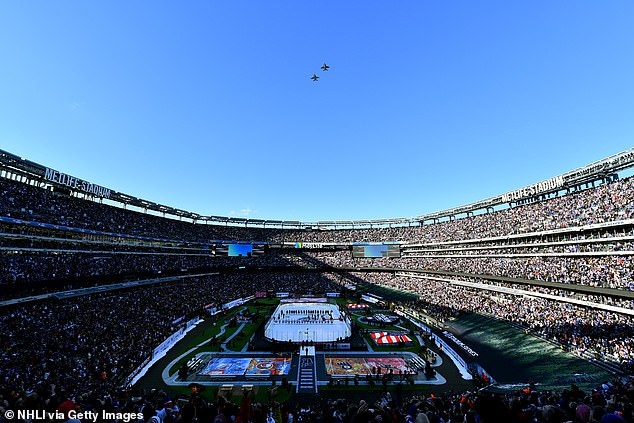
point(29, 203)
point(611, 402)
point(555, 292)
point(82, 349)
point(615, 272)
point(87, 346)
point(535, 249)
point(607, 334)
point(40, 205)
point(23, 266)
point(609, 272)
point(31, 272)
point(604, 203)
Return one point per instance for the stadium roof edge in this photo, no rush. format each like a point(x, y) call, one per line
point(13, 166)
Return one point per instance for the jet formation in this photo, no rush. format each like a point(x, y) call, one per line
point(324, 68)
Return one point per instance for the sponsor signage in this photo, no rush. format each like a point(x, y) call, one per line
point(369, 299)
point(460, 343)
point(76, 183)
point(309, 245)
point(536, 189)
point(232, 304)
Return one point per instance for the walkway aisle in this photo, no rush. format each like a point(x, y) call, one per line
point(307, 375)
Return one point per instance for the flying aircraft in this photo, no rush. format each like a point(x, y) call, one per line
point(314, 77)
point(325, 67)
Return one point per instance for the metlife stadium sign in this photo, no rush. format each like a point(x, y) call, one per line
point(592, 171)
point(76, 183)
point(535, 189)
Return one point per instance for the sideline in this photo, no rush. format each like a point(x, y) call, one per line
point(157, 357)
point(223, 346)
point(165, 374)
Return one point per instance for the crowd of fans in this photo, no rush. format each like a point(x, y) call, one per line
point(87, 345)
point(532, 249)
point(610, 271)
point(31, 272)
point(606, 334)
point(607, 272)
point(80, 349)
point(27, 267)
point(604, 203)
point(595, 299)
point(26, 202)
point(610, 402)
point(608, 202)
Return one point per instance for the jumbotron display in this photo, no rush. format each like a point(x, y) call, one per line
point(374, 250)
point(239, 250)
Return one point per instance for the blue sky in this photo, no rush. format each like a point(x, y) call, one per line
point(208, 106)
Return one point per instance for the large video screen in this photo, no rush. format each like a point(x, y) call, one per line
point(376, 250)
point(237, 250)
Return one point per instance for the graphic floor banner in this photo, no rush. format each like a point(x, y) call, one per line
point(269, 366)
point(397, 365)
point(226, 367)
point(346, 366)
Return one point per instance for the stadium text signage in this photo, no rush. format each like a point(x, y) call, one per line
point(76, 183)
point(233, 303)
point(605, 165)
point(309, 245)
point(369, 299)
point(535, 189)
point(460, 343)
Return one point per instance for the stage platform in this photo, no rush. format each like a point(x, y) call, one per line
point(260, 368)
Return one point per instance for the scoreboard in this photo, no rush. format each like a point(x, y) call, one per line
point(376, 250)
point(240, 250)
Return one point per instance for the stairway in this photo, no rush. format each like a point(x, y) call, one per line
point(306, 376)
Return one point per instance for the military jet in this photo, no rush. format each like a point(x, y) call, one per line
point(314, 77)
point(325, 67)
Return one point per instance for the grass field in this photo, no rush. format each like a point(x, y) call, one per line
point(512, 356)
point(509, 354)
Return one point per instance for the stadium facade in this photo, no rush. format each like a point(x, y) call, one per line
point(553, 260)
point(16, 168)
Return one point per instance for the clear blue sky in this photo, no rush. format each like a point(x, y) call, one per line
point(209, 106)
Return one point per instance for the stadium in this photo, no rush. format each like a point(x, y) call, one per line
point(316, 212)
point(114, 302)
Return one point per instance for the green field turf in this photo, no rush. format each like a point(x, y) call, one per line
point(511, 356)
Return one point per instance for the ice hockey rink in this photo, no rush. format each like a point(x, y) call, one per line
point(313, 320)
